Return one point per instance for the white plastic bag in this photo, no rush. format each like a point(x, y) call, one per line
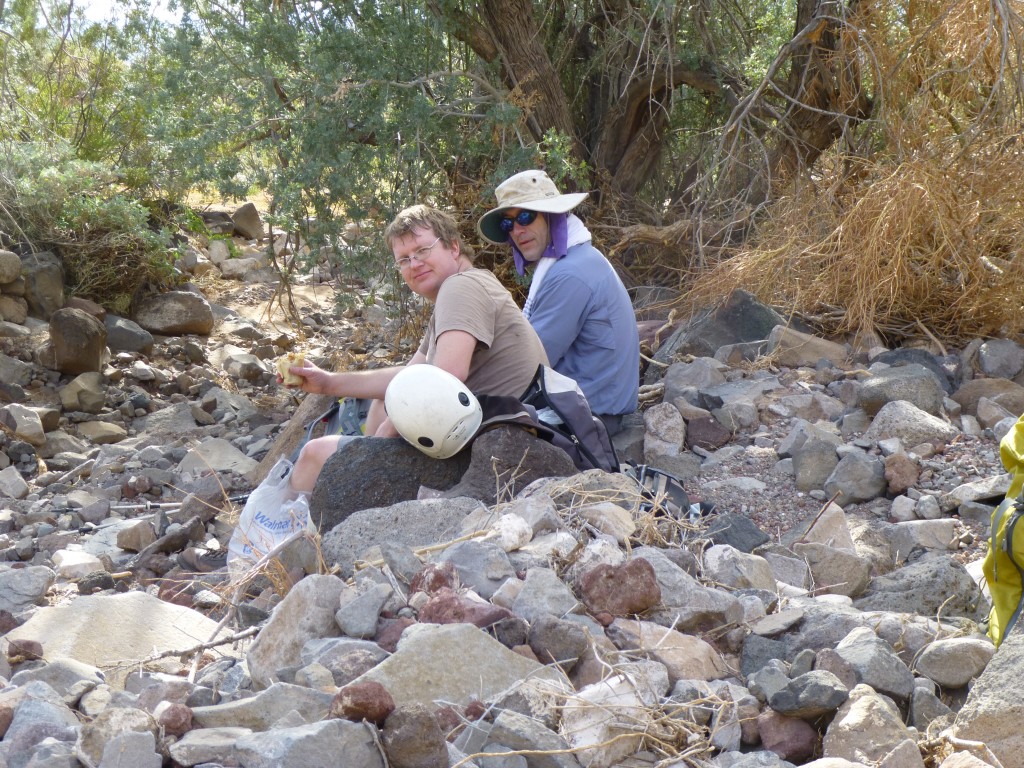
point(272, 513)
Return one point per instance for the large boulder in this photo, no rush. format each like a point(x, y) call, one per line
point(993, 710)
point(124, 335)
point(247, 222)
point(742, 318)
point(79, 341)
point(378, 472)
point(44, 283)
point(175, 313)
point(411, 524)
point(506, 459)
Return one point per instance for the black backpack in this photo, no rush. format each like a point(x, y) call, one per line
point(555, 409)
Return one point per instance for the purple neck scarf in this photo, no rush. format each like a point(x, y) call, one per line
point(558, 230)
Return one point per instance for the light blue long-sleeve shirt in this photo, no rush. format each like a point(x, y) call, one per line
point(586, 322)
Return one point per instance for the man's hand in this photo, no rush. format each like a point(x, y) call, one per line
point(314, 379)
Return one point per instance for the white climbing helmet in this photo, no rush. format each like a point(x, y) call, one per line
point(432, 410)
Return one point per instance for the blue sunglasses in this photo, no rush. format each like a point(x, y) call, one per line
point(523, 219)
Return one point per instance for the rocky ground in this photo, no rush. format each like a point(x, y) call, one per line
point(825, 615)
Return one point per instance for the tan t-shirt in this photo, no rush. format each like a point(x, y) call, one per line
point(508, 350)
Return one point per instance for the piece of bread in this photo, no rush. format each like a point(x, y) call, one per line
point(287, 361)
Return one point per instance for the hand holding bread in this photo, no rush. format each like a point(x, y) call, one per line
point(285, 363)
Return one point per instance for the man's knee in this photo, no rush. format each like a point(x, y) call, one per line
point(315, 453)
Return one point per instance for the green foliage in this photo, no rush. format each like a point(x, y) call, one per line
point(74, 207)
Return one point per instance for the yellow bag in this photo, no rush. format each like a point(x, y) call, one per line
point(1003, 568)
point(1011, 451)
point(1004, 561)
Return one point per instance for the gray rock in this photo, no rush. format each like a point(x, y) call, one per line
point(131, 750)
point(835, 571)
point(263, 710)
point(953, 662)
point(482, 566)
point(544, 594)
point(10, 266)
point(358, 617)
point(910, 424)
point(686, 604)
point(175, 313)
point(69, 678)
point(14, 371)
point(312, 745)
point(345, 658)
point(737, 531)
point(866, 728)
point(925, 707)
point(44, 283)
point(378, 472)
point(666, 431)
point(733, 569)
point(793, 348)
point(421, 671)
point(247, 222)
point(742, 318)
point(518, 732)
point(924, 587)
point(307, 612)
point(994, 706)
point(701, 373)
point(810, 695)
point(124, 335)
point(97, 732)
point(411, 523)
point(803, 431)
point(79, 341)
point(93, 630)
point(857, 477)
point(813, 464)
point(413, 739)
point(876, 664)
point(22, 588)
point(207, 745)
point(769, 679)
point(913, 383)
point(1001, 358)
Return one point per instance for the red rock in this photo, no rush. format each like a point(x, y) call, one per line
point(175, 719)
point(621, 590)
point(901, 473)
point(24, 650)
point(7, 622)
point(790, 738)
point(389, 631)
point(448, 607)
point(434, 578)
point(706, 432)
point(368, 701)
point(6, 716)
point(413, 739)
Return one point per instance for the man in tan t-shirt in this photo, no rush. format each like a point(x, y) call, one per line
point(476, 332)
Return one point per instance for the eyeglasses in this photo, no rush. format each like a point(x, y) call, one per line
point(420, 255)
point(523, 219)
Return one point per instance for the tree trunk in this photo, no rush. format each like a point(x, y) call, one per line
point(527, 68)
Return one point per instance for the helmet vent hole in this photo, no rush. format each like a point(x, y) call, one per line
point(426, 442)
point(463, 398)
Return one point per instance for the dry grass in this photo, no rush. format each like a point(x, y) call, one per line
point(918, 244)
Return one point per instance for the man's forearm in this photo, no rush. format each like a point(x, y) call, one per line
point(367, 384)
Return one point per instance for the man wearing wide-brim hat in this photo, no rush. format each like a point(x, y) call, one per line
point(576, 303)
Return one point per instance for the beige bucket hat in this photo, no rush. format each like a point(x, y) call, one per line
point(532, 190)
